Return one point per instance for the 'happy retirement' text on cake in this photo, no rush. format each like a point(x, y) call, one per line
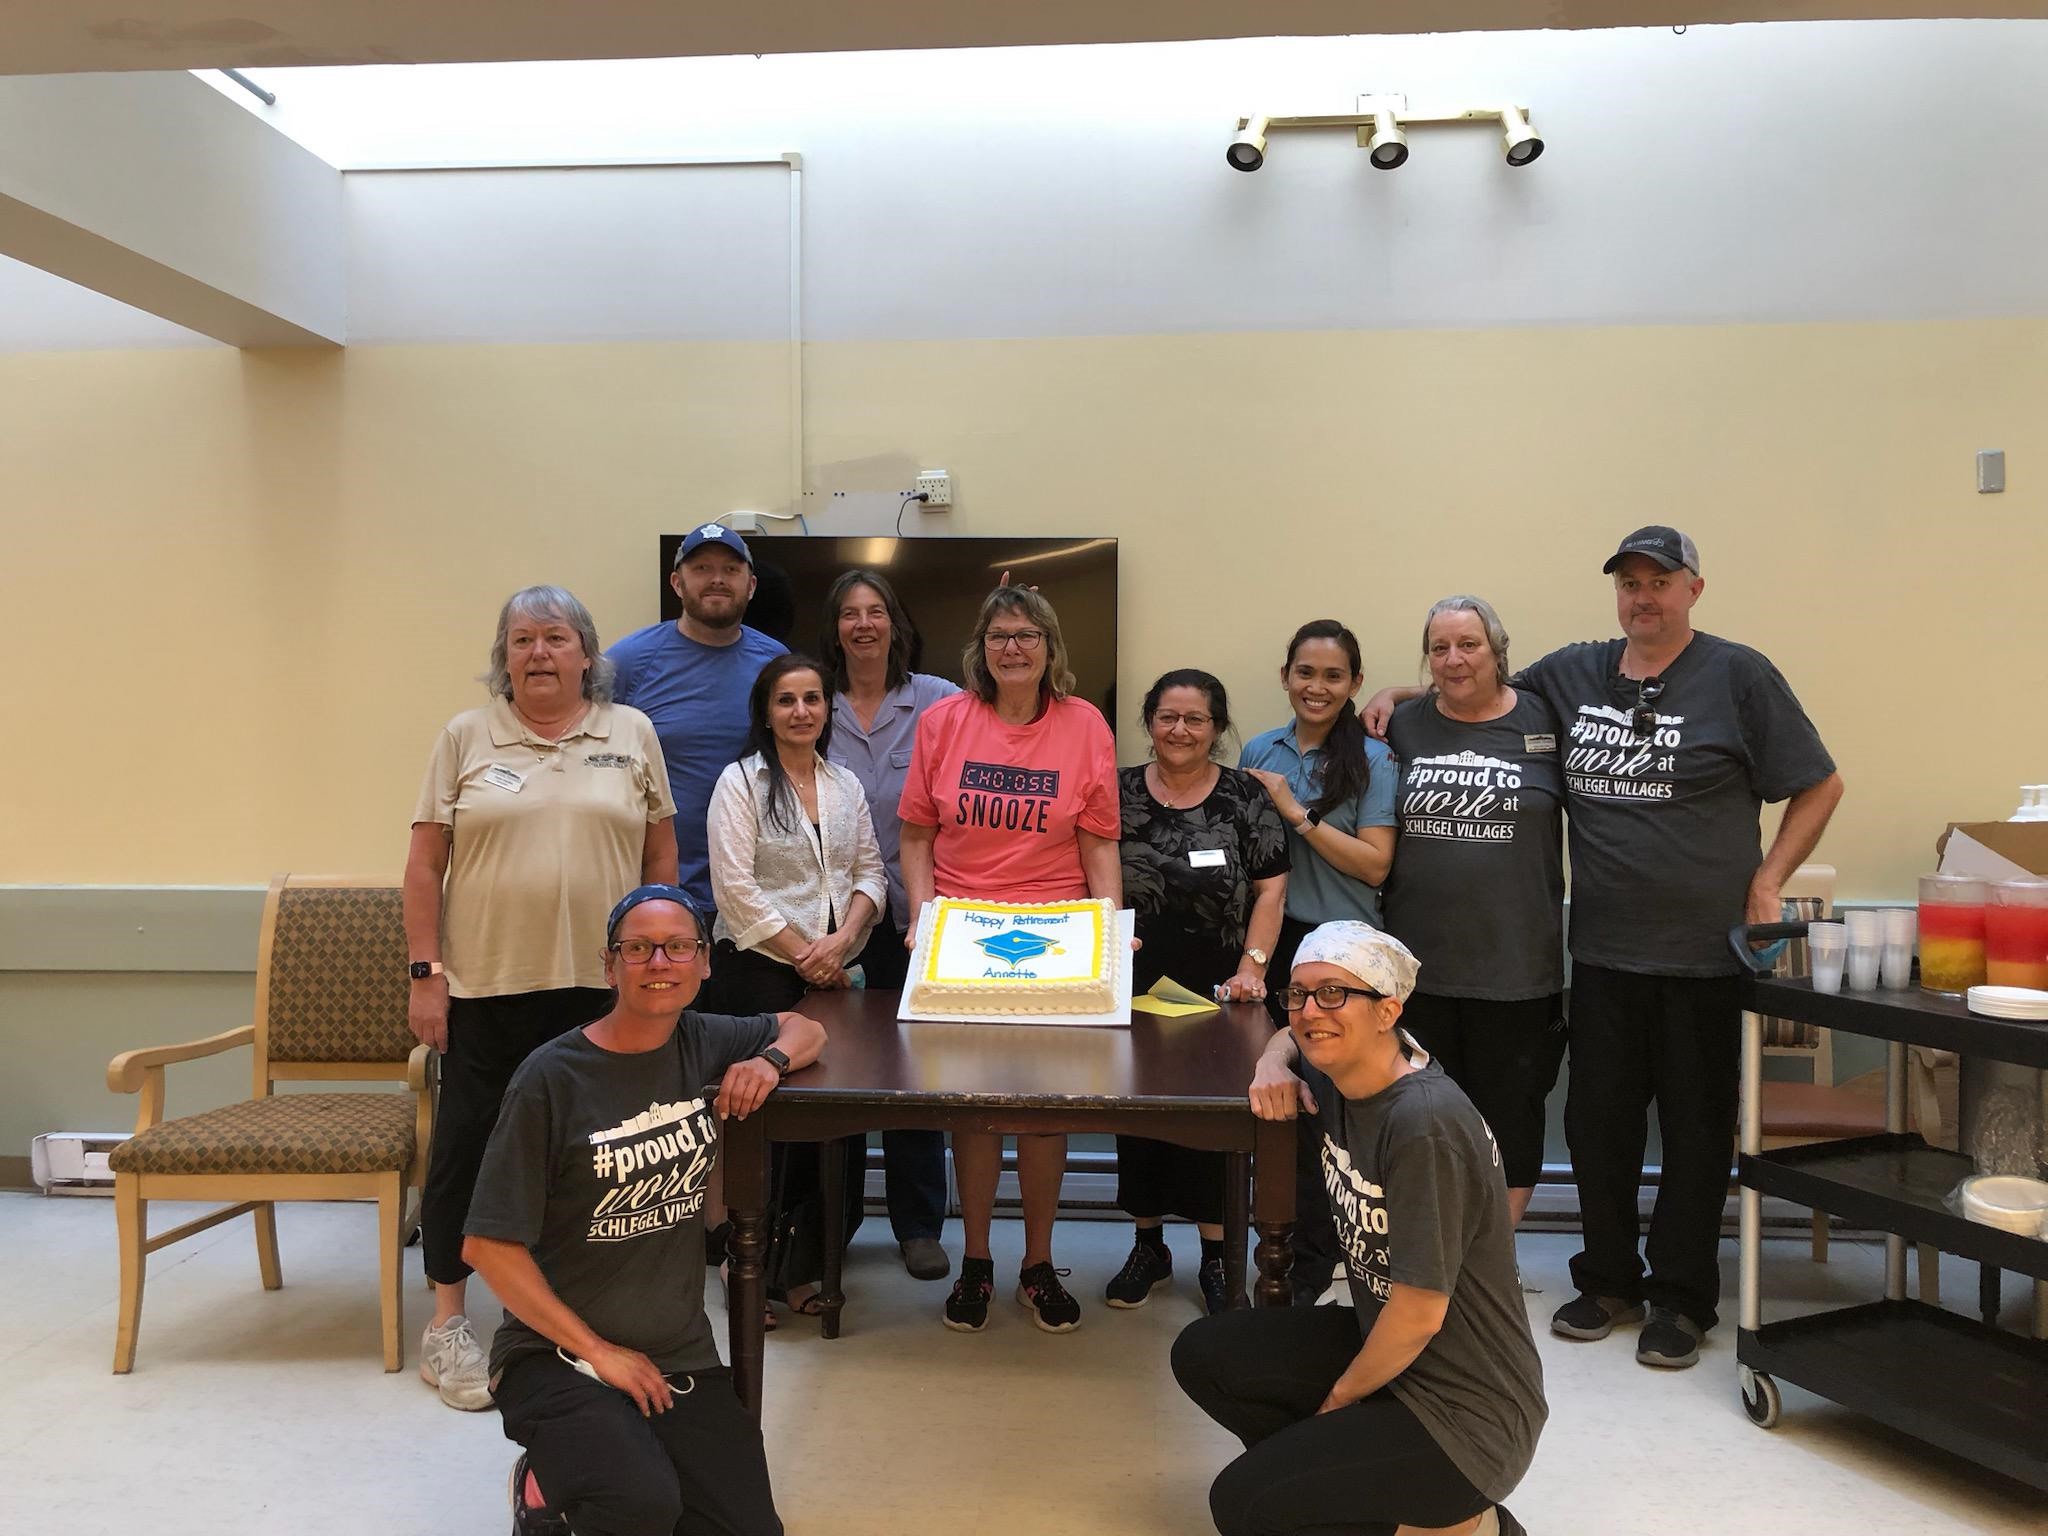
point(1009, 957)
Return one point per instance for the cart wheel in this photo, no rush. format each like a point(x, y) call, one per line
point(1761, 1399)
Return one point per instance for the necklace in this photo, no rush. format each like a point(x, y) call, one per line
point(1201, 786)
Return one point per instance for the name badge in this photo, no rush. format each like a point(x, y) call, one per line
point(500, 777)
point(1208, 858)
point(1545, 742)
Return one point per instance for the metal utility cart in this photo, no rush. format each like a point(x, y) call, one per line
point(1952, 1381)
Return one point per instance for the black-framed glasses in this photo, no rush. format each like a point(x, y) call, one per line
point(675, 951)
point(1023, 639)
point(1644, 720)
point(1329, 996)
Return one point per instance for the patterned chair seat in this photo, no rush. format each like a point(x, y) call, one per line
point(286, 1133)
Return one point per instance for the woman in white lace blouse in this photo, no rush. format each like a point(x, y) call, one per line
point(798, 880)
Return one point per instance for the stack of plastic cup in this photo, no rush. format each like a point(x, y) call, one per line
point(1866, 946)
point(1896, 967)
point(1827, 950)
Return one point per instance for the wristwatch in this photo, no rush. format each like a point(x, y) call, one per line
point(1309, 821)
point(775, 1059)
point(420, 970)
point(1255, 955)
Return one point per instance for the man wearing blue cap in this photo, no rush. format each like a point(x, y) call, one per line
point(691, 679)
point(588, 1223)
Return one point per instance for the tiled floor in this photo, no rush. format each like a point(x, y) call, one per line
point(254, 1412)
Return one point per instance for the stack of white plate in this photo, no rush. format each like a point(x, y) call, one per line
point(2008, 1002)
point(2006, 1201)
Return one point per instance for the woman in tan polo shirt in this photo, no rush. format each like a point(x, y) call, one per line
point(538, 809)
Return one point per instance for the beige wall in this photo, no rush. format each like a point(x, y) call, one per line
point(246, 588)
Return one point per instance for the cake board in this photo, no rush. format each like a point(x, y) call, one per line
point(1119, 1017)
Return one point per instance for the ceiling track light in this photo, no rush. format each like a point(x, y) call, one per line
point(1381, 124)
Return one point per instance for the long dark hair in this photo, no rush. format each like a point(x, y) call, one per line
point(1207, 684)
point(1345, 771)
point(902, 633)
point(761, 735)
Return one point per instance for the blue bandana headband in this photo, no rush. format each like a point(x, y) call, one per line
point(645, 893)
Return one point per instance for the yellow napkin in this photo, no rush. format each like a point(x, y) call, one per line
point(1170, 1000)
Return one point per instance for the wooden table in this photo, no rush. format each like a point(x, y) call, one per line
point(1175, 1080)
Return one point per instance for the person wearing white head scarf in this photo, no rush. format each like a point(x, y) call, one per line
point(1417, 1409)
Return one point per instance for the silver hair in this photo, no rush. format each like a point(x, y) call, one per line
point(551, 603)
point(1496, 632)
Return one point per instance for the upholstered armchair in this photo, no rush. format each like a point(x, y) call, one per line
point(330, 1007)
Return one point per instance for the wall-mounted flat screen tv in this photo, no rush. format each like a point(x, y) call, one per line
point(942, 582)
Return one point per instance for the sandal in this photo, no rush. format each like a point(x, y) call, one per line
point(812, 1305)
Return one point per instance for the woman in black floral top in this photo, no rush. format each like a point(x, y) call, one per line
point(1205, 869)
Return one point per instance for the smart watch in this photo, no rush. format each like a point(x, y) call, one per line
point(1310, 820)
point(420, 970)
point(775, 1059)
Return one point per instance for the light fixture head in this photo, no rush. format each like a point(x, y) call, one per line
point(1247, 151)
point(1386, 143)
point(1518, 139)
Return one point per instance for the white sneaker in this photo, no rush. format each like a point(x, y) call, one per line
point(452, 1360)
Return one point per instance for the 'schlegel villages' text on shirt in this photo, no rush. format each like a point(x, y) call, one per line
point(1664, 822)
point(598, 1165)
point(1480, 850)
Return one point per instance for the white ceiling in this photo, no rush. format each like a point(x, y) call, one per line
point(59, 36)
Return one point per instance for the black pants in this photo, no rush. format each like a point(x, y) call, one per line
point(1315, 1235)
point(1155, 1179)
point(913, 1162)
point(1505, 1056)
point(488, 1037)
point(1360, 1471)
point(1673, 1041)
point(746, 981)
point(697, 1470)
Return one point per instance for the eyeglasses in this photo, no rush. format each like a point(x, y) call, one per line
point(1023, 639)
point(1329, 996)
point(675, 951)
point(1644, 720)
point(1166, 720)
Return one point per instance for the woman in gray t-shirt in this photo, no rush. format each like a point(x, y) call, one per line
point(1421, 1404)
point(1482, 843)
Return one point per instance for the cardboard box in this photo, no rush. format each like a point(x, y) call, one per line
point(1995, 850)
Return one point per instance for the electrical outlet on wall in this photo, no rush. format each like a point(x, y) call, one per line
point(937, 488)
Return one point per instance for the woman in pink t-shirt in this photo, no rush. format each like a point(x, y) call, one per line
point(1011, 796)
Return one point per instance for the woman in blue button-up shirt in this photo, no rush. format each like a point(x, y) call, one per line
point(876, 704)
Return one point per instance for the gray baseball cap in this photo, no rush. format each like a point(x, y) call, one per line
point(1667, 546)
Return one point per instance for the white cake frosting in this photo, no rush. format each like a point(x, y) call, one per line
point(1055, 957)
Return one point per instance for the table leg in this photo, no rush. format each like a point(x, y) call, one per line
point(832, 1188)
point(746, 1193)
point(1989, 1302)
point(1237, 1194)
point(1273, 1208)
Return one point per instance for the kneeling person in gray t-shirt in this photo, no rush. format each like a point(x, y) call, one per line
point(588, 1223)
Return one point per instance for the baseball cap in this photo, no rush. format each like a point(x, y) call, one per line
point(1667, 546)
point(712, 533)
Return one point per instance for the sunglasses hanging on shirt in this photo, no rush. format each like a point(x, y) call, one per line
point(1644, 720)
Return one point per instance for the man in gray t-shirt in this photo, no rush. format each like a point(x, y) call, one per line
point(1674, 740)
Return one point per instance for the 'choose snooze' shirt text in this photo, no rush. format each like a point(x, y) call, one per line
point(1007, 800)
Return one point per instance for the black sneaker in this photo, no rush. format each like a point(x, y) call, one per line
point(1669, 1340)
point(1215, 1288)
point(1146, 1267)
point(967, 1307)
point(1589, 1317)
point(1310, 1278)
point(529, 1517)
point(1051, 1305)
